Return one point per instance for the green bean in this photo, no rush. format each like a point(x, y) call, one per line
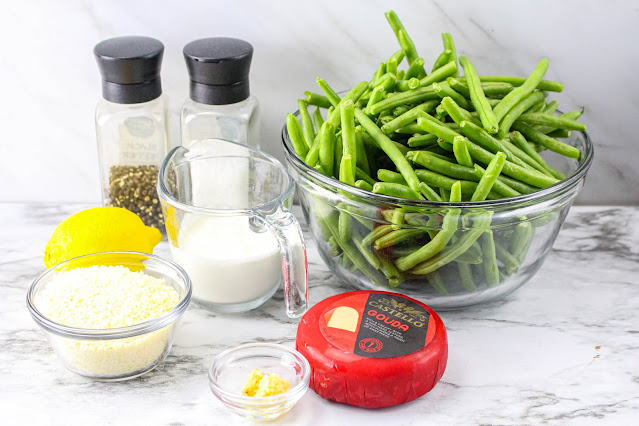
point(317, 100)
point(344, 224)
point(435, 279)
point(530, 177)
point(490, 89)
point(400, 75)
point(519, 140)
point(318, 120)
point(489, 177)
point(469, 257)
point(546, 141)
point(332, 97)
point(408, 97)
point(539, 106)
point(407, 45)
point(449, 44)
point(388, 269)
point(486, 141)
point(442, 59)
point(489, 263)
point(523, 155)
point(428, 192)
point(443, 90)
point(486, 116)
point(440, 74)
point(385, 175)
point(349, 140)
point(366, 252)
point(338, 151)
point(422, 140)
point(439, 165)
point(466, 277)
point(397, 56)
point(362, 175)
point(396, 237)
point(391, 66)
point(376, 95)
point(381, 70)
point(346, 170)
point(402, 109)
point(511, 99)
point(453, 251)
point(501, 186)
point(295, 135)
point(327, 148)
point(362, 159)
point(414, 69)
point(368, 140)
point(457, 113)
point(362, 184)
point(409, 129)
point(397, 220)
point(572, 115)
point(387, 81)
point(559, 133)
point(550, 108)
point(408, 117)
point(335, 249)
point(431, 125)
point(376, 233)
point(510, 262)
point(519, 186)
point(460, 149)
point(446, 183)
point(444, 194)
point(396, 156)
point(434, 246)
point(396, 190)
point(522, 239)
point(551, 120)
point(516, 111)
point(547, 85)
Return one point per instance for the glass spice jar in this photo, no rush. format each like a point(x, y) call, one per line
point(131, 125)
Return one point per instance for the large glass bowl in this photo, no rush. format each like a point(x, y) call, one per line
point(113, 354)
point(522, 230)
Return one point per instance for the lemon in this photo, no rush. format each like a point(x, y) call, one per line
point(99, 229)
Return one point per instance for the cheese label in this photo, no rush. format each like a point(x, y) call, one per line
point(377, 325)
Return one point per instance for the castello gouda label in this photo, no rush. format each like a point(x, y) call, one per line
point(377, 325)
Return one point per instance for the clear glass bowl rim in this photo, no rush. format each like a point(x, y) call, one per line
point(145, 327)
point(261, 400)
point(537, 196)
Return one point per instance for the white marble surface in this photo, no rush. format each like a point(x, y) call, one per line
point(50, 82)
point(562, 350)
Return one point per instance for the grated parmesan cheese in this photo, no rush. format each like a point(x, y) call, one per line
point(104, 297)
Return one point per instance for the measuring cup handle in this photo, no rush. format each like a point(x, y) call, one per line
point(294, 265)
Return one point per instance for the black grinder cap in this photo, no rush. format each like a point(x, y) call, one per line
point(219, 70)
point(130, 68)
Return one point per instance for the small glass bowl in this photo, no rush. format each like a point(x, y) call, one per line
point(231, 368)
point(121, 353)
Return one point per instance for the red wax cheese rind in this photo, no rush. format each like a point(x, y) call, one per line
point(395, 353)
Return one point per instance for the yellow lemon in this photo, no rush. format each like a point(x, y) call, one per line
point(99, 229)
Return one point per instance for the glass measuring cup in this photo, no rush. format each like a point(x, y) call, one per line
point(226, 208)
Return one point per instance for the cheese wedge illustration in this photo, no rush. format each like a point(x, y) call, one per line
point(343, 317)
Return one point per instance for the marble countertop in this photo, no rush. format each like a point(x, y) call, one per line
point(564, 349)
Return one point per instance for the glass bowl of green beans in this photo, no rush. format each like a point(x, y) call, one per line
point(448, 188)
point(449, 255)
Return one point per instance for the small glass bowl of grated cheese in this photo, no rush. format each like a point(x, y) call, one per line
point(110, 316)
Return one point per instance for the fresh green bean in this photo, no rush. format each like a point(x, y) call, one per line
point(317, 100)
point(547, 85)
point(391, 66)
point(489, 89)
point(368, 140)
point(486, 116)
point(381, 70)
point(572, 115)
point(434, 246)
point(335, 248)
point(443, 90)
point(349, 140)
point(466, 277)
point(387, 81)
point(512, 115)
point(362, 159)
point(332, 97)
point(522, 237)
point(439, 165)
point(409, 129)
point(559, 133)
point(440, 74)
point(460, 149)
point(519, 140)
point(510, 262)
point(435, 279)
point(546, 141)
point(396, 156)
point(550, 108)
point(420, 141)
point(408, 117)
point(551, 120)
point(376, 233)
point(442, 59)
point(444, 194)
point(396, 190)
point(295, 135)
point(489, 263)
point(428, 192)
point(402, 109)
point(318, 120)
point(396, 237)
point(327, 148)
point(446, 183)
point(385, 175)
point(523, 155)
point(366, 251)
point(500, 186)
point(511, 99)
point(457, 113)
point(362, 184)
point(344, 224)
point(452, 252)
point(346, 170)
point(431, 125)
point(403, 98)
point(362, 175)
point(449, 44)
point(376, 95)
point(489, 177)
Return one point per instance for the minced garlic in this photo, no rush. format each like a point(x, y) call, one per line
point(260, 384)
point(104, 297)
